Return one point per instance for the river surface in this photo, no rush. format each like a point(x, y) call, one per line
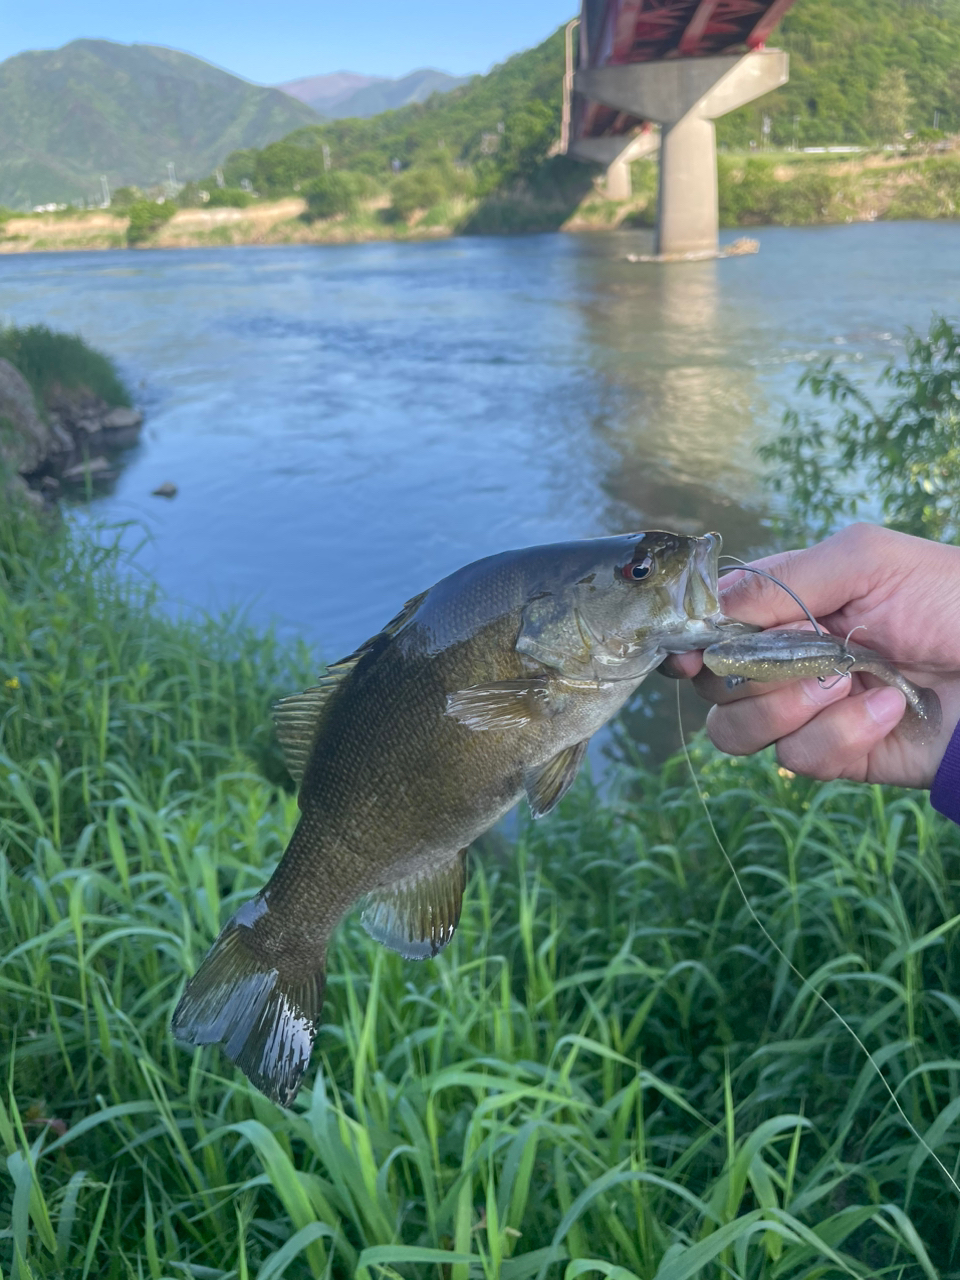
point(347, 424)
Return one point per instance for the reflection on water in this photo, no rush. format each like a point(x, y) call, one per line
point(347, 424)
point(682, 425)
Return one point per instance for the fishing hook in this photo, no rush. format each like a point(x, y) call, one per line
point(769, 576)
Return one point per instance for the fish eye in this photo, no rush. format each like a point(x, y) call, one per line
point(637, 571)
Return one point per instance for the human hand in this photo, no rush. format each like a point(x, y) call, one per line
point(904, 593)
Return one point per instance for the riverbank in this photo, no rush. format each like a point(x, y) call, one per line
point(65, 415)
point(782, 188)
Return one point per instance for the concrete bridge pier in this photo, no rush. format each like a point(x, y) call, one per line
point(685, 96)
point(616, 153)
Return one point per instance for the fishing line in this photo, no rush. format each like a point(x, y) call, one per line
point(808, 985)
point(762, 573)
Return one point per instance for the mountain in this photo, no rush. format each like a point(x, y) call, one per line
point(94, 107)
point(465, 123)
point(344, 94)
point(324, 92)
point(842, 54)
point(388, 95)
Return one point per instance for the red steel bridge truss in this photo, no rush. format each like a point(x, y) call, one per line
point(614, 32)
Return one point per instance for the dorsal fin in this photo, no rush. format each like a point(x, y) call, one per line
point(417, 915)
point(298, 717)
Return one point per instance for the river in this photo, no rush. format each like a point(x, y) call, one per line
point(347, 424)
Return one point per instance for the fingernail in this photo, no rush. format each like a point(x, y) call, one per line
point(885, 706)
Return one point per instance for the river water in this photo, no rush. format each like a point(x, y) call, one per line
point(347, 424)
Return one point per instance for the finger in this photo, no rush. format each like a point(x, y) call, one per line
point(837, 742)
point(750, 724)
point(714, 688)
point(827, 576)
point(681, 666)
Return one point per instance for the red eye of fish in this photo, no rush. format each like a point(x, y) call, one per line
point(636, 572)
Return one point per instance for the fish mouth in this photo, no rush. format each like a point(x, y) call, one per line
point(696, 599)
point(700, 599)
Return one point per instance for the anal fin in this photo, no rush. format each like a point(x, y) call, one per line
point(417, 916)
point(548, 783)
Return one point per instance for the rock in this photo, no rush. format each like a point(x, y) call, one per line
point(50, 485)
point(123, 419)
point(25, 439)
point(166, 490)
point(62, 441)
point(90, 426)
point(98, 468)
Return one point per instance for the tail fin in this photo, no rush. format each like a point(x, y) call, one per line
point(266, 1023)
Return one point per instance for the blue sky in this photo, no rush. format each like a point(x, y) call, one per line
point(272, 42)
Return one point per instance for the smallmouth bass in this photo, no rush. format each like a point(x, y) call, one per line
point(793, 654)
point(483, 689)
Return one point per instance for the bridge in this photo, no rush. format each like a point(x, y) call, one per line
point(679, 64)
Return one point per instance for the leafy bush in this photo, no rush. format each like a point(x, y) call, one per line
point(936, 193)
point(282, 166)
point(124, 197)
point(751, 194)
point(53, 362)
point(334, 193)
point(229, 197)
point(240, 167)
point(418, 188)
point(146, 217)
point(904, 454)
point(528, 135)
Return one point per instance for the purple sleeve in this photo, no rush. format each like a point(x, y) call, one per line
point(945, 792)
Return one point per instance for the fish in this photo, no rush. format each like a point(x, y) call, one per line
point(793, 654)
point(483, 689)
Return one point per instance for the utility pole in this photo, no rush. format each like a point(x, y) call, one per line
point(567, 85)
point(326, 158)
point(105, 192)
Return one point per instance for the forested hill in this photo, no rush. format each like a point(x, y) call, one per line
point(845, 56)
point(467, 123)
point(94, 107)
point(842, 54)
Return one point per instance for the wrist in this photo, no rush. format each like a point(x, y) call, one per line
point(945, 791)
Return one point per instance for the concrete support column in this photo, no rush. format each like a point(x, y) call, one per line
point(617, 184)
point(685, 96)
point(617, 153)
point(687, 218)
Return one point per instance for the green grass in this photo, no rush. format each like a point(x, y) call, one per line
point(609, 1072)
point(53, 362)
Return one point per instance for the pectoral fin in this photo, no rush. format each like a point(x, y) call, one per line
point(506, 704)
point(417, 916)
point(548, 783)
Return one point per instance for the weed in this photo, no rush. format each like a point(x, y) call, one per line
point(609, 1071)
